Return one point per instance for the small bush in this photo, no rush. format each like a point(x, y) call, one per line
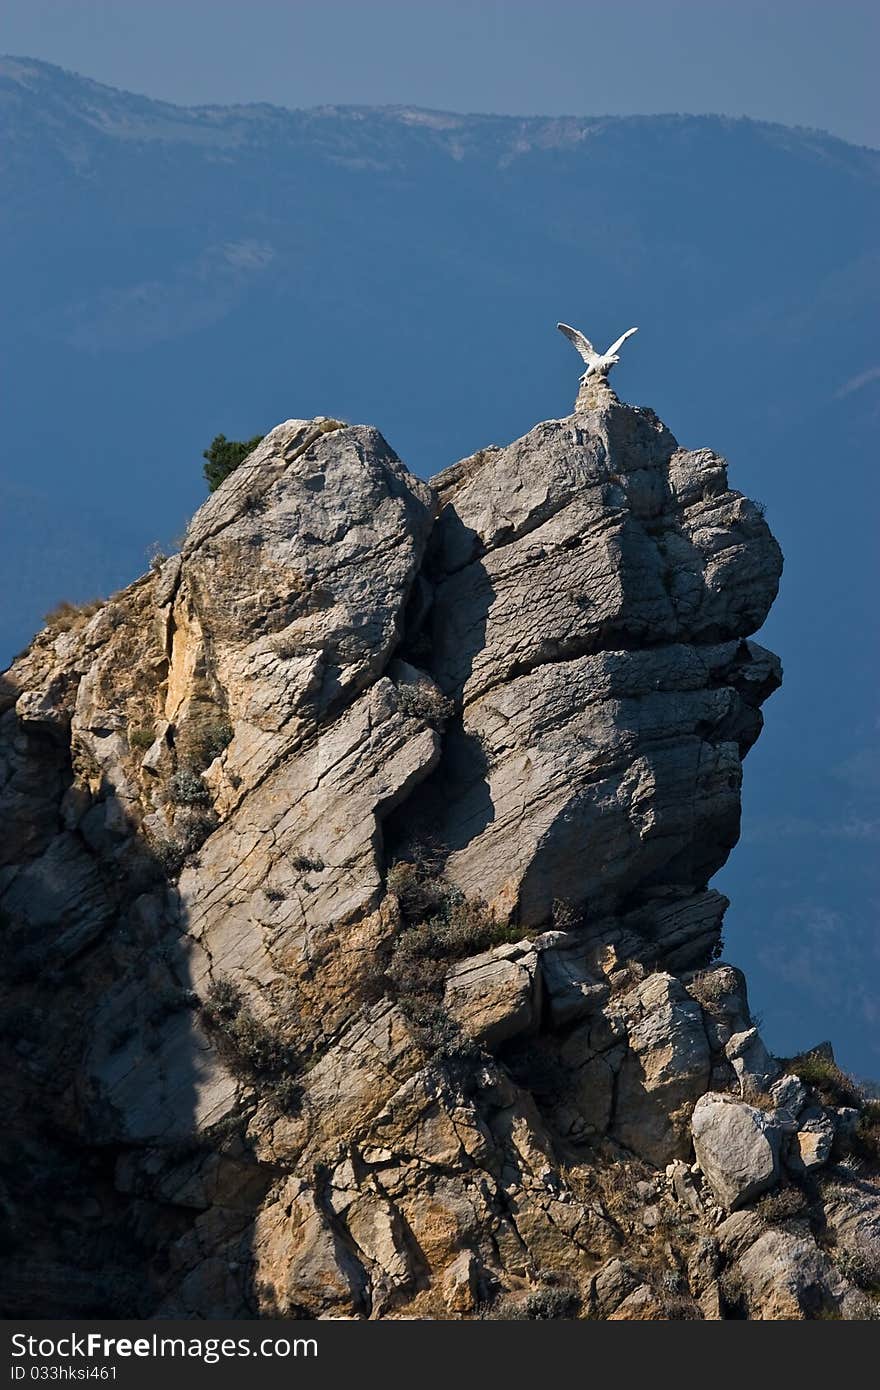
point(142, 736)
point(187, 788)
point(867, 1136)
point(249, 1047)
point(422, 953)
point(418, 965)
point(552, 1303)
point(203, 740)
point(65, 616)
point(418, 883)
point(710, 988)
point(190, 833)
point(224, 455)
point(679, 1308)
point(307, 863)
point(425, 703)
point(732, 1289)
point(542, 1305)
point(819, 1070)
point(287, 648)
point(404, 881)
point(438, 1035)
point(781, 1205)
point(285, 1094)
point(861, 1267)
point(169, 853)
point(442, 926)
point(415, 971)
point(195, 827)
point(224, 1002)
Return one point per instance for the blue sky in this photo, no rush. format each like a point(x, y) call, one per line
point(795, 61)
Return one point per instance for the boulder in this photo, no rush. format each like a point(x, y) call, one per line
point(644, 1304)
point(494, 995)
point(722, 995)
point(664, 1069)
point(736, 1147)
point(789, 1093)
point(784, 1277)
point(754, 1067)
point(572, 988)
point(683, 1185)
point(614, 1282)
point(810, 1146)
point(461, 1283)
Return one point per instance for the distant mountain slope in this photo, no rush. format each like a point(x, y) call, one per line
point(168, 273)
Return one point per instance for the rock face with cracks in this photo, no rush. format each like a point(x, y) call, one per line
point(360, 953)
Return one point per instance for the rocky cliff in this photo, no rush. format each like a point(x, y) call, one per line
point(360, 957)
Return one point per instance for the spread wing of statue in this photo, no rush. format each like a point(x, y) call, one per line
point(598, 363)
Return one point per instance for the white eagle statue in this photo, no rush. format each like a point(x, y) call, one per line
point(598, 363)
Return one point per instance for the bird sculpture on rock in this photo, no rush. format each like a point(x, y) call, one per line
point(598, 363)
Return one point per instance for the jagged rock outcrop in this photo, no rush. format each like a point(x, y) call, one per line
point(593, 587)
point(354, 877)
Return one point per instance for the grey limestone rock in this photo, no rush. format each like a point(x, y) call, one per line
point(737, 1148)
point(594, 587)
point(317, 1088)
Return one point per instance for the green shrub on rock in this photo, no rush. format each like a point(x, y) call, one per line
point(250, 1048)
point(224, 455)
point(187, 788)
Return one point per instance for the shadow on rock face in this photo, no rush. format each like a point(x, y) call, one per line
point(462, 772)
point(101, 1060)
